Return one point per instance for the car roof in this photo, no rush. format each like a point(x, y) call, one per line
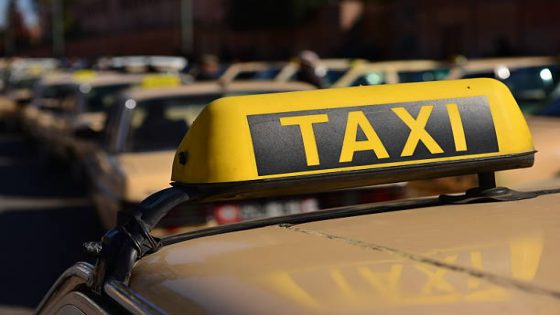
point(497, 257)
point(97, 79)
point(198, 88)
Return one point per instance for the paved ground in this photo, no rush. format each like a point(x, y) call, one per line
point(44, 219)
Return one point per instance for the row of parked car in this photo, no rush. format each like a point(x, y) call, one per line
point(118, 131)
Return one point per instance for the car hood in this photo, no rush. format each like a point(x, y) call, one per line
point(145, 173)
point(488, 258)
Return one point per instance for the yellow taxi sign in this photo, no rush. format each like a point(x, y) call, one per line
point(83, 75)
point(348, 137)
point(159, 81)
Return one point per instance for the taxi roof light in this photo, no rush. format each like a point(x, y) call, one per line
point(312, 141)
point(160, 81)
point(84, 75)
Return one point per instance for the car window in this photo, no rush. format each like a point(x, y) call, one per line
point(52, 97)
point(527, 82)
point(482, 74)
point(100, 98)
point(267, 74)
point(333, 75)
point(23, 83)
point(370, 78)
point(422, 76)
point(160, 124)
point(530, 85)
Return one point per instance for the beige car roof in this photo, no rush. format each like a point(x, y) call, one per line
point(99, 79)
point(216, 87)
point(486, 258)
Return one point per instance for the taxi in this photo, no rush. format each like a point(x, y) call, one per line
point(22, 74)
point(490, 250)
point(81, 110)
point(144, 64)
point(19, 92)
point(143, 130)
point(50, 92)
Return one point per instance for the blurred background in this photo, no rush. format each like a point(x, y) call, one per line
point(275, 30)
point(95, 95)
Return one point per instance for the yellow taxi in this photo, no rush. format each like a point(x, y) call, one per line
point(19, 77)
point(50, 92)
point(143, 130)
point(18, 93)
point(144, 64)
point(490, 250)
point(78, 109)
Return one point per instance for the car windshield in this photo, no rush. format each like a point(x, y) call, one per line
point(333, 75)
point(530, 85)
point(267, 74)
point(52, 97)
point(160, 123)
point(370, 78)
point(23, 83)
point(552, 107)
point(422, 76)
point(101, 98)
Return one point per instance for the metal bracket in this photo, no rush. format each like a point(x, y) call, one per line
point(487, 191)
point(122, 246)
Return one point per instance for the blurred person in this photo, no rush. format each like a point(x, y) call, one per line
point(310, 69)
point(208, 68)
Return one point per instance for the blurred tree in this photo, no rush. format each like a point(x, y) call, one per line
point(270, 14)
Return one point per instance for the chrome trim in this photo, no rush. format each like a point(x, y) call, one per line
point(81, 270)
point(117, 291)
point(130, 299)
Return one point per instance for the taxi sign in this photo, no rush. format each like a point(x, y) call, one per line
point(159, 81)
point(339, 138)
point(84, 75)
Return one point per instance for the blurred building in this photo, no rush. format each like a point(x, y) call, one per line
point(224, 27)
point(476, 28)
point(278, 29)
